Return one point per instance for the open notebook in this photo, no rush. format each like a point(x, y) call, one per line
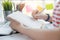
point(27, 20)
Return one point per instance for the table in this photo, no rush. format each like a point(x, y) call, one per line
point(15, 37)
point(6, 30)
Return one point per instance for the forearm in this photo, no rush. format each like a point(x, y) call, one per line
point(41, 34)
point(34, 34)
point(31, 33)
point(38, 34)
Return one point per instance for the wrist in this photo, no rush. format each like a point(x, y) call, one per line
point(47, 17)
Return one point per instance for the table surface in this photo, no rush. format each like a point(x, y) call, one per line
point(15, 37)
point(5, 29)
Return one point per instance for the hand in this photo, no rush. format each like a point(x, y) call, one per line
point(20, 6)
point(15, 25)
point(37, 15)
point(34, 12)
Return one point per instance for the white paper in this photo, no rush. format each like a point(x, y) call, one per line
point(26, 20)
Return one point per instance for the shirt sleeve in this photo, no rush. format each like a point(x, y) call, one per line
point(56, 15)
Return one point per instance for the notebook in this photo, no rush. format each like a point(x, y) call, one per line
point(26, 20)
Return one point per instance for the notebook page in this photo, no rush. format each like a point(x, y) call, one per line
point(26, 20)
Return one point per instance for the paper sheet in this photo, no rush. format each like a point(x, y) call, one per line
point(26, 20)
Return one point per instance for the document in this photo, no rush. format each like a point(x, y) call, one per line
point(26, 20)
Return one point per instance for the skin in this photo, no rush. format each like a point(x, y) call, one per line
point(36, 34)
point(21, 6)
point(37, 15)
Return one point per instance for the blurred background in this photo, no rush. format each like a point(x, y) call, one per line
point(47, 5)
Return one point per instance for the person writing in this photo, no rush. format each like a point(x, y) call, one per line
point(37, 34)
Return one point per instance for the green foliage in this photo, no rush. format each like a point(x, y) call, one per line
point(7, 5)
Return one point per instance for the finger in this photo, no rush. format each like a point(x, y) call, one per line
point(34, 12)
